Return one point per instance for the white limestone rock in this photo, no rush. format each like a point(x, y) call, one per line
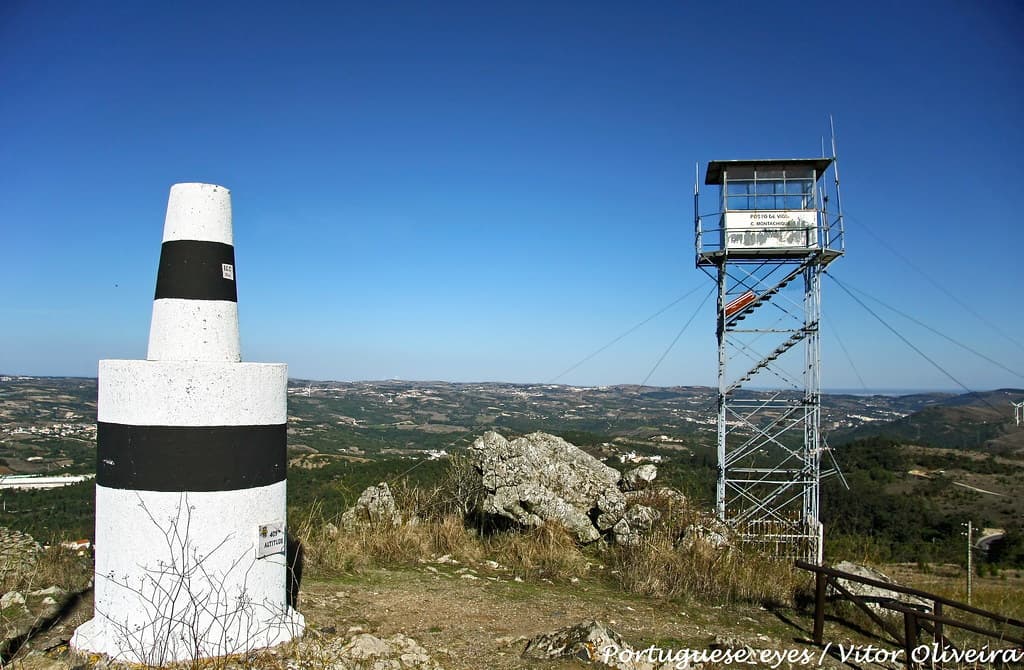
point(876, 593)
point(590, 642)
point(12, 599)
point(637, 521)
point(639, 477)
point(708, 531)
point(376, 505)
point(368, 652)
point(541, 478)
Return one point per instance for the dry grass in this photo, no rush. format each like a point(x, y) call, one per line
point(1003, 595)
point(995, 594)
point(548, 552)
point(672, 563)
point(458, 492)
point(351, 550)
point(53, 566)
point(664, 565)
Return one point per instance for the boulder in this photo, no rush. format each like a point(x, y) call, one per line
point(32, 613)
point(368, 652)
point(639, 477)
point(708, 531)
point(637, 520)
point(376, 505)
point(18, 551)
point(12, 599)
point(541, 478)
point(666, 498)
point(875, 593)
point(592, 643)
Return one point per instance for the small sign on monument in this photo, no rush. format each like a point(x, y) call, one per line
point(271, 540)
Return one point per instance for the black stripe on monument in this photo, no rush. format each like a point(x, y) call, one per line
point(196, 270)
point(173, 458)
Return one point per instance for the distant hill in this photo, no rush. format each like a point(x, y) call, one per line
point(922, 462)
point(982, 420)
point(916, 478)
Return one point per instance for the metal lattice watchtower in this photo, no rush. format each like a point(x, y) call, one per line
point(767, 246)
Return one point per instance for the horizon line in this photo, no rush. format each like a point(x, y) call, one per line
point(838, 390)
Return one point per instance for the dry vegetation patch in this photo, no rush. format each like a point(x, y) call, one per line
point(666, 563)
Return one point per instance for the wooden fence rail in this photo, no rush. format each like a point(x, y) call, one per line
point(915, 620)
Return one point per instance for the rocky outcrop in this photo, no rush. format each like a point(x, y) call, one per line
point(639, 477)
point(368, 652)
point(17, 551)
point(875, 593)
point(590, 642)
point(634, 524)
point(541, 478)
point(709, 531)
point(376, 505)
point(398, 652)
point(12, 599)
point(24, 614)
point(664, 495)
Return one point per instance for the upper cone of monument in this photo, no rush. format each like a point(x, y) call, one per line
point(195, 310)
point(199, 212)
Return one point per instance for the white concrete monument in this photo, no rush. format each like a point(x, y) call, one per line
point(191, 455)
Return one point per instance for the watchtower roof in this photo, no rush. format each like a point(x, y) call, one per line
point(716, 168)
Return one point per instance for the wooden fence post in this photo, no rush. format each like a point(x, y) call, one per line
point(820, 582)
point(910, 637)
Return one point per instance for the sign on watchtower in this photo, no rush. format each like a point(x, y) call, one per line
point(768, 207)
point(190, 473)
point(766, 245)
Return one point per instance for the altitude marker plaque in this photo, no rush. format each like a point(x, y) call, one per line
point(271, 539)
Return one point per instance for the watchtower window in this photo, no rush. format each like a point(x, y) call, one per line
point(747, 188)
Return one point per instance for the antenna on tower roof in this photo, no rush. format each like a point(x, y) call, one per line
point(839, 199)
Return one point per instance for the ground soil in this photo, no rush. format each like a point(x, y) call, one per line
point(476, 618)
point(468, 623)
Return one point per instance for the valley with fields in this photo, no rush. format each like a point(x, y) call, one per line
point(915, 466)
point(914, 469)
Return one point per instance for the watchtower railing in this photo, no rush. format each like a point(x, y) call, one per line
point(914, 620)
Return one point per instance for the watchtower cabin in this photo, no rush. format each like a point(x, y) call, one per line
point(767, 209)
point(766, 244)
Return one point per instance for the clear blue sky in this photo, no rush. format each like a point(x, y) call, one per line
point(491, 191)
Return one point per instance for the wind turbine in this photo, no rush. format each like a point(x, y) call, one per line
point(1018, 410)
